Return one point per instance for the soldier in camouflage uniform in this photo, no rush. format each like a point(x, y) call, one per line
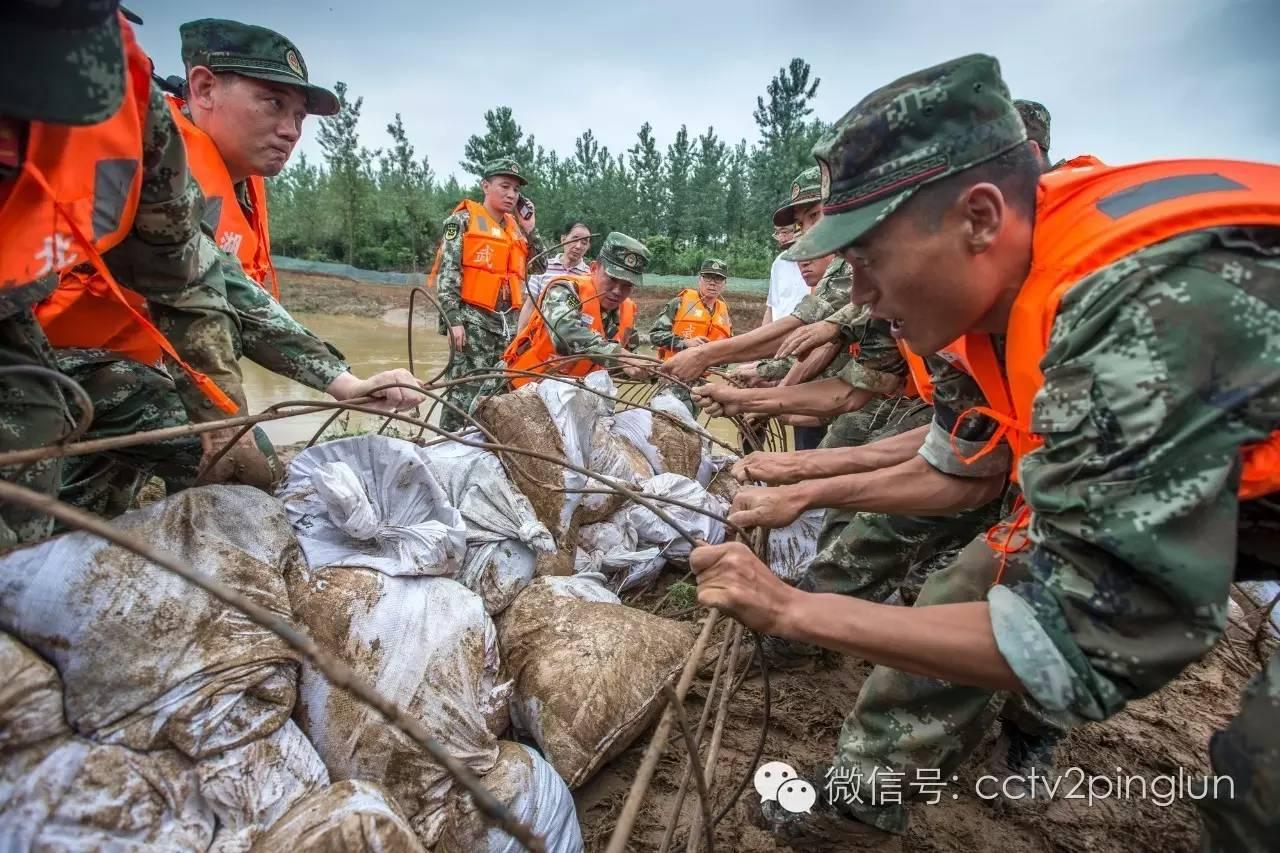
point(1136, 526)
point(479, 336)
point(711, 282)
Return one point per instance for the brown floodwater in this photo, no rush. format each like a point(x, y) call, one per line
point(370, 345)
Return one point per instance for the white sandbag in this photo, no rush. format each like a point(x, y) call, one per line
point(667, 401)
point(251, 787)
point(371, 501)
point(587, 586)
point(30, 697)
point(669, 447)
point(1261, 593)
point(792, 548)
point(425, 643)
point(346, 817)
point(588, 674)
point(652, 530)
point(533, 793)
point(620, 461)
point(147, 660)
point(497, 571)
point(574, 411)
point(67, 793)
point(610, 548)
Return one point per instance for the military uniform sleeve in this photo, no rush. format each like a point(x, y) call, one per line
point(538, 258)
point(851, 319)
point(879, 366)
point(1160, 369)
point(570, 331)
point(660, 333)
point(170, 260)
point(449, 273)
point(831, 294)
point(954, 435)
point(273, 339)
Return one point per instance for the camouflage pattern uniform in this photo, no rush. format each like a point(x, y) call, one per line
point(487, 332)
point(1136, 528)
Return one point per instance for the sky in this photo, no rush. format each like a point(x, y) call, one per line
point(1125, 80)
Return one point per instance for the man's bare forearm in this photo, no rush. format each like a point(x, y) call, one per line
point(823, 398)
point(913, 487)
point(953, 642)
point(760, 342)
point(885, 453)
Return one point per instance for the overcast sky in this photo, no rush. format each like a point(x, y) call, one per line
point(1124, 79)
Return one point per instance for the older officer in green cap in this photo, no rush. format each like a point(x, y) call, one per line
point(479, 274)
point(1116, 576)
point(694, 317)
point(590, 316)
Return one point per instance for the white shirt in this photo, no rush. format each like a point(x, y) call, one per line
point(786, 287)
point(555, 268)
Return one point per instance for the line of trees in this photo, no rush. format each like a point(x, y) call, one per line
point(700, 195)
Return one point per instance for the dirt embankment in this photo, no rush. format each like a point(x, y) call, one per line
point(321, 294)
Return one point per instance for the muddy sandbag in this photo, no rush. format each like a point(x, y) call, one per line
point(588, 674)
point(250, 787)
point(611, 548)
point(668, 447)
point(504, 536)
point(30, 697)
point(371, 501)
point(533, 793)
point(68, 793)
point(792, 548)
point(347, 817)
point(652, 530)
point(426, 644)
point(618, 459)
point(148, 660)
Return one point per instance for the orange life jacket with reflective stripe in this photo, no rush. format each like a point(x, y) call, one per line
point(693, 320)
point(963, 353)
point(533, 348)
point(87, 180)
point(494, 258)
point(1089, 216)
point(248, 238)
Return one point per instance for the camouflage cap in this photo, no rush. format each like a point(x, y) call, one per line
point(503, 166)
point(62, 61)
point(252, 51)
point(624, 257)
point(714, 267)
point(919, 129)
point(1036, 118)
point(805, 190)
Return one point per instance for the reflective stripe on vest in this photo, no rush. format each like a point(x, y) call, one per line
point(534, 350)
point(248, 238)
point(59, 165)
point(494, 258)
point(1089, 216)
point(693, 320)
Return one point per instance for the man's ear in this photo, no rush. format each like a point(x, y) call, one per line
point(984, 209)
point(200, 85)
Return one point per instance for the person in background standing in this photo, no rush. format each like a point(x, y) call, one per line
point(574, 241)
point(786, 285)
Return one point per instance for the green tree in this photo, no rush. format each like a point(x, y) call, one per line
point(787, 136)
point(679, 167)
point(502, 138)
point(347, 162)
point(408, 182)
point(705, 216)
point(648, 182)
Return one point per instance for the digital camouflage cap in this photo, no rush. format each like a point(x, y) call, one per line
point(62, 61)
point(252, 51)
point(503, 166)
point(805, 191)
point(917, 130)
point(624, 257)
point(714, 267)
point(1036, 119)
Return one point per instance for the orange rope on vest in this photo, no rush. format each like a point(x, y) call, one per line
point(1000, 538)
point(204, 383)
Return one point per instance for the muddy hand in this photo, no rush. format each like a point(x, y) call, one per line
point(348, 386)
point(776, 468)
point(717, 400)
point(811, 365)
point(251, 461)
point(800, 342)
point(686, 365)
point(733, 579)
point(767, 507)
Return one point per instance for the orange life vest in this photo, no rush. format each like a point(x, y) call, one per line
point(972, 354)
point(693, 320)
point(247, 238)
point(494, 257)
point(534, 347)
point(1089, 216)
point(88, 180)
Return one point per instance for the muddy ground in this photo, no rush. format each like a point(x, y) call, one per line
point(306, 293)
point(1154, 736)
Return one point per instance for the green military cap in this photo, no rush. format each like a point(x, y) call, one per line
point(1036, 118)
point(61, 60)
point(245, 49)
point(624, 257)
point(919, 129)
point(805, 190)
point(503, 166)
point(714, 266)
